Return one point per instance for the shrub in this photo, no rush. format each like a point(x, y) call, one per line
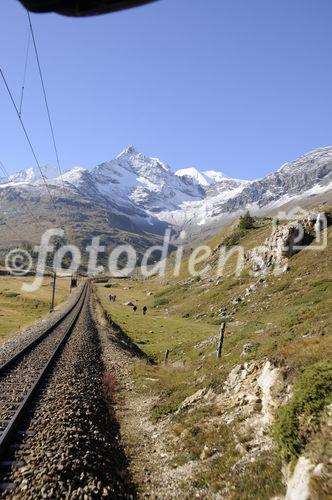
point(260, 479)
point(322, 285)
point(246, 221)
point(233, 238)
point(300, 417)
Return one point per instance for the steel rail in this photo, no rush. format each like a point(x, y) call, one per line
point(31, 345)
point(12, 426)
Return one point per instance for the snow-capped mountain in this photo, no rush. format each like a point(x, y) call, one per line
point(143, 195)
point(308, 176)
point(145, 182)
point(198, 177)
point(135, 182)
point(32, 175)
point(214, 176)
point(206, 178)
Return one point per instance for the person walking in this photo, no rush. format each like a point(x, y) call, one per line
point(144, 310)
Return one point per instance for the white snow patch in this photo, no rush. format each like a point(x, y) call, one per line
point(216, 176)
point(198, 177)
point(74, 175)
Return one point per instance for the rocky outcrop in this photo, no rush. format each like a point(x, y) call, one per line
point(252, 393)
point(298, 485)
point(285, 241)
point(250, 396)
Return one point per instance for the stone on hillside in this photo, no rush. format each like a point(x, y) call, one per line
point(207, 453)
point(237, 300)
point(239, 448)
point(247, 348)
point(178, 364)
point(192, 400)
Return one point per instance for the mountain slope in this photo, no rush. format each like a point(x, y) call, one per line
point(308, 175)
point(147, 182)
point(293, 184)
point(220, 420)
point(141, 195)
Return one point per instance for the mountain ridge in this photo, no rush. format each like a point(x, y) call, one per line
point(144, 195)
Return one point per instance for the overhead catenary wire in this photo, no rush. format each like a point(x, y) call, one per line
point(29, 142)
point(25, 72)
point(12, 229)
point(45, 99)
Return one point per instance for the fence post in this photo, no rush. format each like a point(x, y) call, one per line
point(166, 356)
point(221, 339)
point(53, 291)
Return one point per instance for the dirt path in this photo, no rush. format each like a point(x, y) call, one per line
point(147, 445)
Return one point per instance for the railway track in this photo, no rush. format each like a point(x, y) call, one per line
point(25, 375)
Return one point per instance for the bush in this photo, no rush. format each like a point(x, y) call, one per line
point(246, 221)
point(300, 417)
point(233, 238)
point(260, 479)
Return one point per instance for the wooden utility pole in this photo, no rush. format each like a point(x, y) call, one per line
point(53, 291)
point(221, 339)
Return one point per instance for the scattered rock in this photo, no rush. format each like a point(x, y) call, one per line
point(206, 453)
point(248, 348)
point(237, 300)
point(192, 400)
point(239, 448)
point(206, 342)
point(178, 364)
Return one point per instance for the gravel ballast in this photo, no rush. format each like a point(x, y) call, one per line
point(73, 447)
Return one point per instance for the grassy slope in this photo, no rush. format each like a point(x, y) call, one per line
point(19, 309)
point(277, 316)
point(289, 318)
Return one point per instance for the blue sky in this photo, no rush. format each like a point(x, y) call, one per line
point(233, 85)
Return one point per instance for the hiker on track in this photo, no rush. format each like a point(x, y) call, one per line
point(144, 310)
